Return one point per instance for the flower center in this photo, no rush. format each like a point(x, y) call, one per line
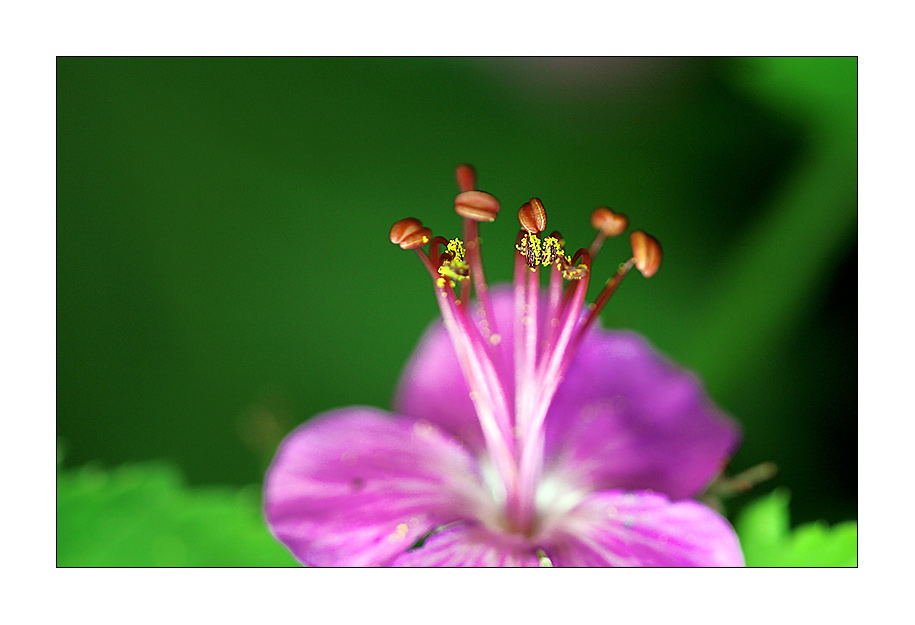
point(512, 392)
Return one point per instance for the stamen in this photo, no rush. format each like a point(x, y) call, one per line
point(527, 294)
point(608, 224)
point(483, 379)
point(571, 271)
point(554, 297)
point(454, 268)
point(551, 251)
point(541, 252)
point(485, 386)
point(646, 252)
point(608, 290)
point(512, 416)
point(456, 248)
point(555, 290)
point(552, 366)
point(646, 257)
point(476, 205)
point(436, 253)
point(532, 216)
point(529, 246)
point(410, 234)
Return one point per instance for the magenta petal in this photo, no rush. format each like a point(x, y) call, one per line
point(614, 528)
point(627, 418)
point(358, 486)
point(468, 544)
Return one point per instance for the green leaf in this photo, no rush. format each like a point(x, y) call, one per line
point(144, 515)
point(767, 539)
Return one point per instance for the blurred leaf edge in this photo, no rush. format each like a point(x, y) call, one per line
point(768, 540)
point(144, 515)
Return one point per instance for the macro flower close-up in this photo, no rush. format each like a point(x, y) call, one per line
point(297, 328)
point(522, 433)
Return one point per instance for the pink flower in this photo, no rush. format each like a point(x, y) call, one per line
point(523, 433)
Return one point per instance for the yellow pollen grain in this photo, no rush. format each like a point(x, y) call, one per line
point(399, 534)
point(495, 339)
point(611, 511)
point(473, 395)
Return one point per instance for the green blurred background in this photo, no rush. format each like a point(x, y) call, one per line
point(224, 270)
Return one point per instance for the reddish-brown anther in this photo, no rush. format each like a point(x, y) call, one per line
point(476, 205)
point(416, 239)
point(609, 223)
point(646, 252)
point(532, 216)
point(409, 233)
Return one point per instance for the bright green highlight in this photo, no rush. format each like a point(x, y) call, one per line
point(768, 540)
point(144, 515)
